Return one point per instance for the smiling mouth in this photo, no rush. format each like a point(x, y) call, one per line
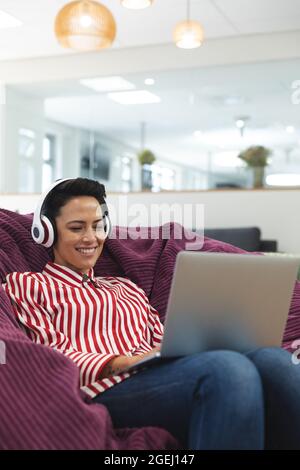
point(86, 251)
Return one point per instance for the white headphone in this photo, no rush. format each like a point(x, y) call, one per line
point(42, 230)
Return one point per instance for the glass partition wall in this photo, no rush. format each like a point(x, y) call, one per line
point(195, 122)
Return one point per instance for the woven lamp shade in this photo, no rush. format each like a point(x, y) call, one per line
point(85, 25)
point(188, 34)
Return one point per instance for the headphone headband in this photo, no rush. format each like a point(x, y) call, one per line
point(42, 230)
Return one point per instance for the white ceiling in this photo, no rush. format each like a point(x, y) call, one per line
point(154, 25)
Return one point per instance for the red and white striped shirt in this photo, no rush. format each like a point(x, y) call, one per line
point(89, 322)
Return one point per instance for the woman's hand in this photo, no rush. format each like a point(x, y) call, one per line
point(156, 349)
point(119, 363)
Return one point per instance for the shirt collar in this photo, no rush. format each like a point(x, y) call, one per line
point(65, 274)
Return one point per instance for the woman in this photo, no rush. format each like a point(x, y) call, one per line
point(211, 400)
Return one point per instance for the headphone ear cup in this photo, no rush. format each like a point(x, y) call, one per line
point(107, 226)
point(106, 219)
point(37, 232)
point(49, 232)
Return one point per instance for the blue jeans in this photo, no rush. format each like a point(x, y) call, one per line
point(215, 400)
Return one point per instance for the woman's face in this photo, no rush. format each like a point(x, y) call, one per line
point(80, 234)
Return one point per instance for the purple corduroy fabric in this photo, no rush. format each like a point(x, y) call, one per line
point(41, 404)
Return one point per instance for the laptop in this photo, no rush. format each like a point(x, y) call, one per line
point(225, 301)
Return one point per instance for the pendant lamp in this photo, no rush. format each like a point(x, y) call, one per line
point(85, 25)
point(188, 34)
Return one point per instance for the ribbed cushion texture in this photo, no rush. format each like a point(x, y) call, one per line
point(42, 406)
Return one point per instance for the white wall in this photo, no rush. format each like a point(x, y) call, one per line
point(20, 111)
point(276, 212)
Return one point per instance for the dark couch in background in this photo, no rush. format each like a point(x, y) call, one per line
point(247, 238)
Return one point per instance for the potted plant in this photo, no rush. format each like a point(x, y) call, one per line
point(256, 157)
point(146, 157)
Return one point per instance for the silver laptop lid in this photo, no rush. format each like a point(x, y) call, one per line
point(228, 301)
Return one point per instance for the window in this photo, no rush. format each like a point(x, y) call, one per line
point(49, 151)
point(126, 174)
point(162, 178)
point(95, 159)
point(26, 150)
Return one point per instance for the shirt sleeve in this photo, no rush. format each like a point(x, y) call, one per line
point(27, 298)
point(155, 326)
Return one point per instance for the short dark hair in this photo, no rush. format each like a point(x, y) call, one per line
point(64, 192)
